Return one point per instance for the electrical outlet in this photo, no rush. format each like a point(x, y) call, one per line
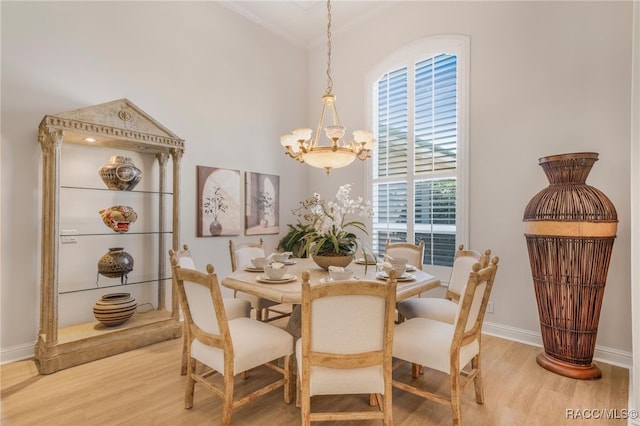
point(490, 307)
point(69, 236)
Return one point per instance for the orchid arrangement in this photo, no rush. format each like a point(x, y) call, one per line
point(326, 223)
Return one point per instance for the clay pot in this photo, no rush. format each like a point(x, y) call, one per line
point(114, 308)
point(118, 218)
point(116, 263)
point(325, 261)
point(120, 173)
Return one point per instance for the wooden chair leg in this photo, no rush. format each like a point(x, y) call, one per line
point(372, 400)
point(227, 400)
point(190, 387)
point(477, 381)
point(289, 385)
point(455, 399)
point(183, 367)
point(415, 370)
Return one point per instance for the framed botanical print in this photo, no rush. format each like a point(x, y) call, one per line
point(262, 203)
point(218, 202)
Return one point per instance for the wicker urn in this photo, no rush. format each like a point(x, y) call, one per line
point(570, 228)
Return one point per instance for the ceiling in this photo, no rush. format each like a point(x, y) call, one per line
point(304, 22)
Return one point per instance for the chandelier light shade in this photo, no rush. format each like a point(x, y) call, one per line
point(305, 147)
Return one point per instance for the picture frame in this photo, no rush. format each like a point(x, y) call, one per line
point(262, 203)
point(219, 209)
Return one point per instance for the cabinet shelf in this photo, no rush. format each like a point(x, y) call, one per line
point(98, 234)
point(133, 191)
point(118, 285)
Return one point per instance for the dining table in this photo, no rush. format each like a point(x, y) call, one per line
point(252, 280)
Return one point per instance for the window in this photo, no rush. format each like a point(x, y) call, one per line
point(418, 179)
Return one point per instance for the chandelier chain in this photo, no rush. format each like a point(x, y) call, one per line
point(329, 79)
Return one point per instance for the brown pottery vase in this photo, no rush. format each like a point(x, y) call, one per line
point(120, 173)
point(570, 228)
point(114, 308)
point(116, 263)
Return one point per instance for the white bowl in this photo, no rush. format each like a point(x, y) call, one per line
point(280, 257)
point(274, 272)
point(338, 275)
point(259, 262)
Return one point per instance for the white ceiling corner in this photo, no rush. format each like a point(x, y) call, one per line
point(304, 22)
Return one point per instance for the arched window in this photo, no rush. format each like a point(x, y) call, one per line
point(418, 180)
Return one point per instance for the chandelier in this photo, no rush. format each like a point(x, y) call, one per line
point(337, 152)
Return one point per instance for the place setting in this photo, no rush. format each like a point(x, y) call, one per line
point(399, 265)
point(275, 273)
point(339, 273)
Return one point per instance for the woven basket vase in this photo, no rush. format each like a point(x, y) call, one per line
point(570, 228)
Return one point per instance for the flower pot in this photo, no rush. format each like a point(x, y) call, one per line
point(114, 308)
point(570, 229)
point(116, 263)
point(120, 173)
point(325, 261)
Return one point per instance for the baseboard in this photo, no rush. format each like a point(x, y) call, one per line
point(17, 353)
point(602, 353)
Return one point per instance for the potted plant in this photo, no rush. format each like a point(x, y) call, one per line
point(214, 205)
point(264, 202)
point(324, 228)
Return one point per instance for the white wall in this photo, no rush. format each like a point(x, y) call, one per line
point(546, 78)
point(226, 86)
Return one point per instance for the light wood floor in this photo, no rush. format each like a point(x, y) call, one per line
point(144, 387)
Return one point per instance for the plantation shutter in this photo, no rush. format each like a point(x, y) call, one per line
point(414, 188)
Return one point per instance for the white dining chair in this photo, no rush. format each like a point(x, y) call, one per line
point(241, 255)
point(235, 308)
point(445, 309)
point(345, 348)
point(229, 347)
point(449, 348)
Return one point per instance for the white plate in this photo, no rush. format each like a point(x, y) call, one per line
point(289, 262)
point(361, 261)
point(253, 269)
point(403, 277)
point(410, 268)
point(287, 278)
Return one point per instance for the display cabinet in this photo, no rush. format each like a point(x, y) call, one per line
point(75, 146)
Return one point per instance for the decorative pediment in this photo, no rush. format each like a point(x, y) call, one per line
point(117, 123)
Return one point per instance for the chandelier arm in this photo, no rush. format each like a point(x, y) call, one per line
point(316, 139)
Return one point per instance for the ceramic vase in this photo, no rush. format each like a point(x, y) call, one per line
point(570, 228)
point(215, 228)
point(114, 308)
point(118, 218)
point(325, 261)
point(116, 263)
point(120, 173)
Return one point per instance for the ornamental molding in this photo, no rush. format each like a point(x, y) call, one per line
point(120, 120)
